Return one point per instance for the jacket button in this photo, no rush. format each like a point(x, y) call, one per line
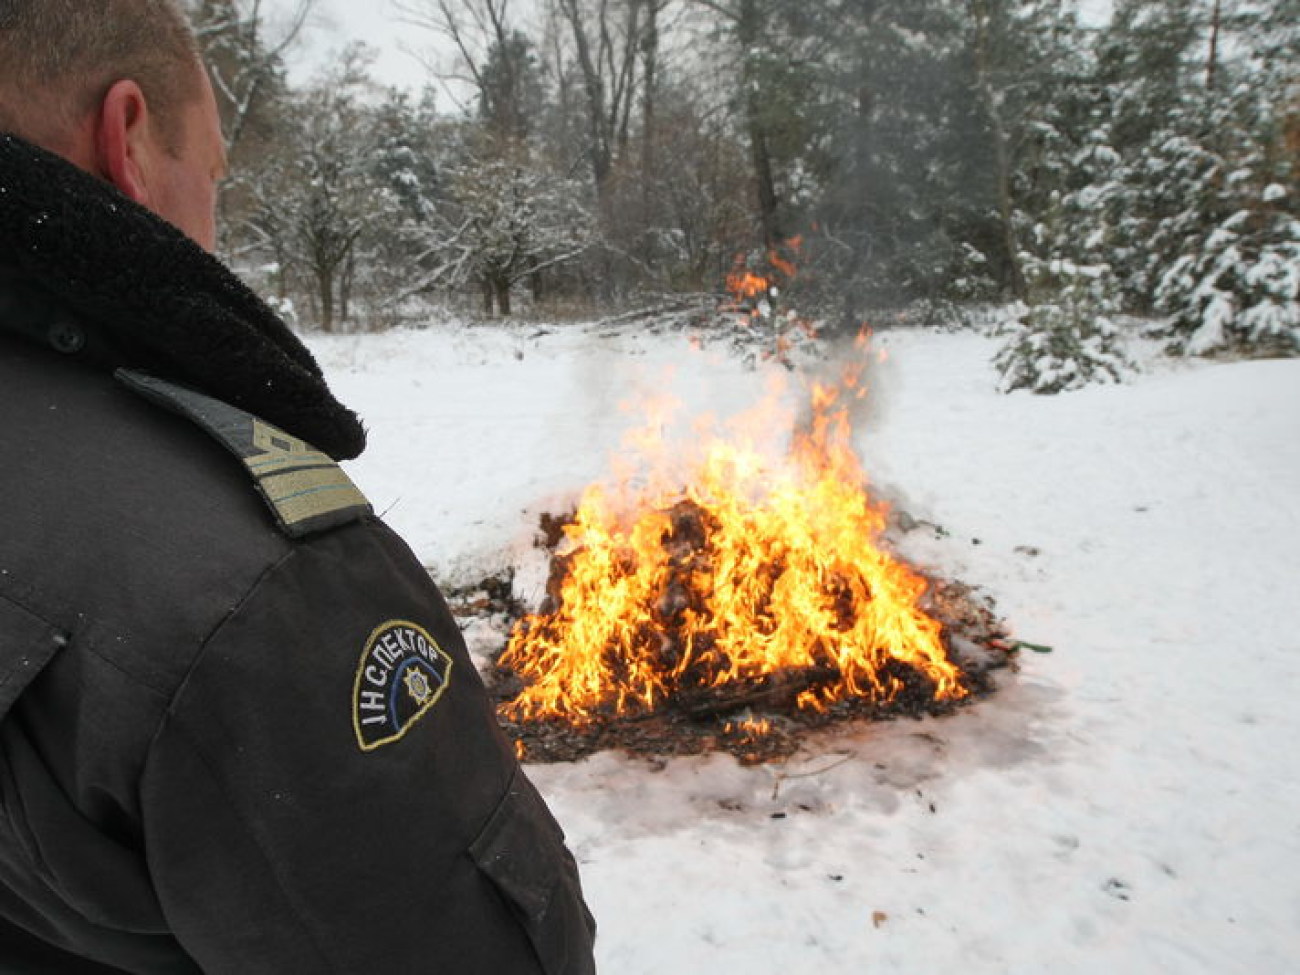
point(67, 337)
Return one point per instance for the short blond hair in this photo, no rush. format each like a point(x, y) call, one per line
point(58, 58)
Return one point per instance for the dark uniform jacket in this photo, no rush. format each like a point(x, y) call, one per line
point(239, 731)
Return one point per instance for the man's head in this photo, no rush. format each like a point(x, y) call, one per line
point(117, 88)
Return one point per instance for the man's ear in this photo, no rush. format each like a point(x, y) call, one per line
point(124, 141)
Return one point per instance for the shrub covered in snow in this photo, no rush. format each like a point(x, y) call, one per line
point(1066, 339)
point(1240, 291)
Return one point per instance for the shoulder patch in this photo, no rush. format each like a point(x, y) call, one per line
point(305, 489)
point(402, 674)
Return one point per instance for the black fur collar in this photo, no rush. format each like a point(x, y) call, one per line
point(160, 302)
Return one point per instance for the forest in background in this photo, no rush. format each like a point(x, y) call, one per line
point(909, 156)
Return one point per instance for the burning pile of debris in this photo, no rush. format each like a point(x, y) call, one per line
point(758, 719)
point(732, 596)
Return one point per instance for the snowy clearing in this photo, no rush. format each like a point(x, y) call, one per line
point(1130, 802)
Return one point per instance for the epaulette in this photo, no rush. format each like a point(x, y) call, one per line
point(304, 488)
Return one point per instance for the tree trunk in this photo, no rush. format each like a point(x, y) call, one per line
point(1002, 156)
point(1212, 61)
point(601, 148)
point(650, 56)
point(625, 79)
point(749, 29)
point(325, 287)
point(345, 286)
point(502, 286)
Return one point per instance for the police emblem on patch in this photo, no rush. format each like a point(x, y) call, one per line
point(402, 674)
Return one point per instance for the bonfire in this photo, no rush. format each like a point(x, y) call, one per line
point(735, 581)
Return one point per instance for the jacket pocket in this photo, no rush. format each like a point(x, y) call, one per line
point(27, 644)
point(521, 850)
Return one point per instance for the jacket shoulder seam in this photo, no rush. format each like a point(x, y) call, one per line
point(207, 639)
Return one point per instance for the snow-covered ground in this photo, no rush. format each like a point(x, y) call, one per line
point(1129, 803)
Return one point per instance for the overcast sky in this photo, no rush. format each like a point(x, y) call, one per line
point(337, 23)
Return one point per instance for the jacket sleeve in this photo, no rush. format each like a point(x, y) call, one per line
point(329, 791)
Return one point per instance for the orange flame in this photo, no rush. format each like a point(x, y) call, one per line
point(757, 567)
point(743, 283)
point(781, 264)
point(748, 728)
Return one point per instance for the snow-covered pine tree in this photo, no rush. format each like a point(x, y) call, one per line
point(1066, 335)
point(1201, 99)
point(1235, 286)
point(412, 151)
point(1142, 64)
point(1063, 335)
point(1066, 338)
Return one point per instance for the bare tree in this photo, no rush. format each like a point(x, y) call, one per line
point(474, 27)
point(243, 59)
point(613, 43)
point(504, 218)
